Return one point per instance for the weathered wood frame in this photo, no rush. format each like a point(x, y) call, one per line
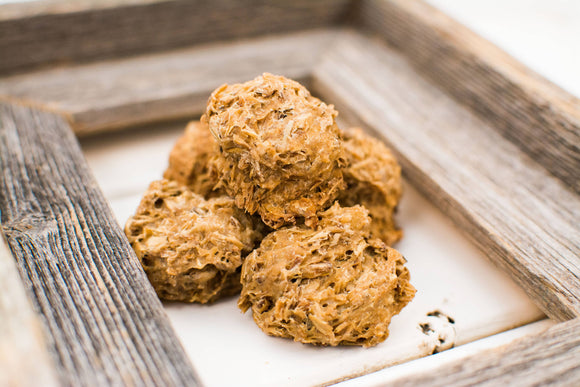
point(524, 215)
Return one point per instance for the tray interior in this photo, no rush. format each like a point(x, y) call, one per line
point(451, 276)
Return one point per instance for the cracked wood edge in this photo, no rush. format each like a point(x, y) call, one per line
point(102, 320)
point(142, 90)
point(59, 32)
point(524, 219)
point(24, 357)
point(533, 113)
point(547, 359)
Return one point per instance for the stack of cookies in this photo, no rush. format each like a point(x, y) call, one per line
point(268, 197)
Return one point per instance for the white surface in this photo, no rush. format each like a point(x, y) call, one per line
point(227, 348)
point(542, 34)
point(430, 363)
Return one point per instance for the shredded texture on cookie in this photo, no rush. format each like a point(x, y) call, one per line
point(189, 160)
point(191, 248)
point(330, 285)
point(280, 149)
point(373, 179)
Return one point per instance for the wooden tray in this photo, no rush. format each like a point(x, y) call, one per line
point(490, 143)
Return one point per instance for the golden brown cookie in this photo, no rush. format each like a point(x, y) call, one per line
point(332, 285)
point(373, 179)
point(191, 248)
point(189, 160)
point(281, 151)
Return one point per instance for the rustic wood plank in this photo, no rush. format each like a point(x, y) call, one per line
point(105, 323)
point(530, 111)
point(43, 33)
point(546, 359)
point(522, 217)
point(141, 90)
point(24, 356)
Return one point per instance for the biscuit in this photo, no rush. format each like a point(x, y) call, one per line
point(332, 285)
point(191, 248)
point(189, 160)
point(373, 179)
point(280, 149)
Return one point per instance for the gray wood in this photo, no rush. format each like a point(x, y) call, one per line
point(530, 111)
point(549, 359)
point(62, 31)
point(24, 356)
point(137, 91)
point(521, 216)
point(103, 321)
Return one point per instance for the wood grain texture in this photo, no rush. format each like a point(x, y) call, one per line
point(136, 91)
point(530, 111)
point(24, 356)
point(103, 321)
point(546, 359)
point(62, 31)
point(522, 217)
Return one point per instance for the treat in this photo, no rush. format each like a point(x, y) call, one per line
point(189, 160)
point(373, 179)
point(330, 285)
point(191, 248)
point(281, 152)
point(267, 149)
